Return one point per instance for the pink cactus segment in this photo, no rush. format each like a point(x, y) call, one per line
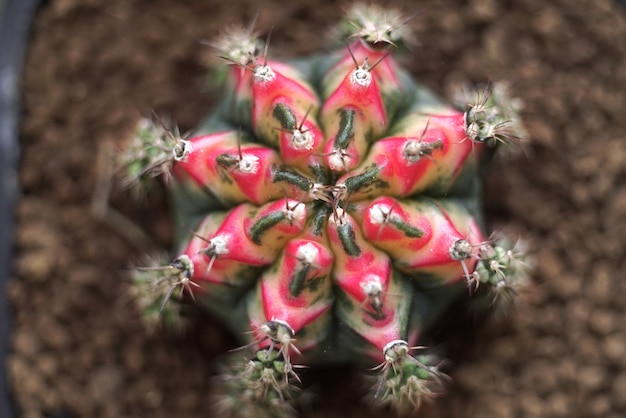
point(231, 240)
point(419, 162)
point(427, 154)
point(207, 269)
point(449, 267)
point(421, 237)
point(251, 173)
point(204, 149)
point(294, 294)
point(302, 274)
point(393, 225)
point(273, 224)
point(448, 160)
point(372, 302)
point(271, 87)
point(385, 73)
point(357, 261)
point(209, 226)
point(388, 170)
point(454, 125)
point(296, 317)
point(358, 90)
point(234, 173)
point(301, 146)
point(380, 336)
point(352, 116)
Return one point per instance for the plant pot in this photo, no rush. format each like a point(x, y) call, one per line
point(15, 17)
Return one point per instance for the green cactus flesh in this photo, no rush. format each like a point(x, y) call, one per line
point(328, 213)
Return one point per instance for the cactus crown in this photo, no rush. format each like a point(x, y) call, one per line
point(334, 205)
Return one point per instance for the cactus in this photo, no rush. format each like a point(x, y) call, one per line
point(328, 212)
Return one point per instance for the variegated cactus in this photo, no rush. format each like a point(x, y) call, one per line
point(328, 212)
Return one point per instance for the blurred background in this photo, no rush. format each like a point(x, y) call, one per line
point(93, 67)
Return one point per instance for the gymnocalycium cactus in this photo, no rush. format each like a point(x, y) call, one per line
point(328, 212)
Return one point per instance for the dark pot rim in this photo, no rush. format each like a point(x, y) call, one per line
point(15, 19)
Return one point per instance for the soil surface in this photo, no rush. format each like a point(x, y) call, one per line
point(95, 65)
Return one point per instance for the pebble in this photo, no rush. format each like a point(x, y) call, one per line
point(105, 383)
point(599, 406)
point(36, 266)
point(134, 357)
point(592, 378)
point(600, 287)
point(47, 365)
point(603, 321)
point(614, 348)
point(26, 342)
point(618, 389)
point(559, 404)
point(55, 335)
point(533, 374)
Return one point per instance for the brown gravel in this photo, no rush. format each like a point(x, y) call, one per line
point(94, 65)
